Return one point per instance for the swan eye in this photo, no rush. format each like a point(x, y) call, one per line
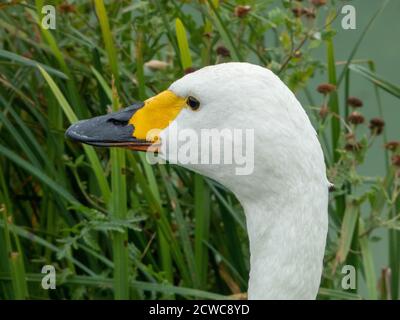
point(193, 103)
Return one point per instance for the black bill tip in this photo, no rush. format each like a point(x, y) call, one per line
point(109, 130)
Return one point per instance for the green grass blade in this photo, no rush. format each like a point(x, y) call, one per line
point(186, 59)
point(90, 153)
point(31, 63)
point(334, 108)
point(347, 231)
point(16, 263)
point(389, 87)
point(201, 232)
point(72, 87)
point(140, 66)
point(368, 262)
point(107, 38)
point(106, 88)
point(336, 294)
point(333, 99)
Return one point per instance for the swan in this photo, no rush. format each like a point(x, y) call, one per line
point(284, 194)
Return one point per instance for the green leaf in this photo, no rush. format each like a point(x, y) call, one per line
point(368, 262)
point(31, 63)
point(183, 44)
point(347, 230)
point(336, 294)
point(376, 79)
point(107, 37)
point(106, 88)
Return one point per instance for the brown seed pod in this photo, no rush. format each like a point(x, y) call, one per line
point(354, 102)
point(298, 12)
point(376, 125)
point(353, 146)
point(396, 160)
point(356, 118)
point(326, 88)
point(392, 145)
point(242, 11)
point(223, 51)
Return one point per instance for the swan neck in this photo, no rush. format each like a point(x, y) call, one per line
point(287, 240)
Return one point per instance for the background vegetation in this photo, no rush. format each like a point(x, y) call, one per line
point(116, 227)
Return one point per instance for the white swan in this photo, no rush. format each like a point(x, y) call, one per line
point(285, 198)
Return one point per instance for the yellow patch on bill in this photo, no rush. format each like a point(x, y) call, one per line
point(156, 113)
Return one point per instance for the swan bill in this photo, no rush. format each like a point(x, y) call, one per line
point(110, 130)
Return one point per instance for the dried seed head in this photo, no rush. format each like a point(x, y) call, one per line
point(326, 88)
point(298, 12)
point(223, 51)
point(351, 143)
point(323, 111)
point(392, 145)
point(396, 161)
point(242, 11)
point(319, 3)
point(354, 102)
point(356, 118)
point(376, 125)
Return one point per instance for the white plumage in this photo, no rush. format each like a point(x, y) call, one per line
point(285, 199)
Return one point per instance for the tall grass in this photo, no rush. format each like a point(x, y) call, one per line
point(116, 227)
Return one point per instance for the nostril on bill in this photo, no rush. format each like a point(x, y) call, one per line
point(117, 122)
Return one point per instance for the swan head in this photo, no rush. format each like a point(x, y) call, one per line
point(239, 124)
point(223, 121)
